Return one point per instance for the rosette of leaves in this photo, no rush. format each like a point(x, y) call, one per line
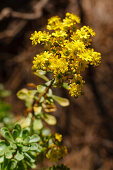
point(19, 149)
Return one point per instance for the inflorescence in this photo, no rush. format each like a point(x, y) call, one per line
point(66, 51)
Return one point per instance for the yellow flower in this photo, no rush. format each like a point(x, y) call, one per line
point(34, 38)
point(91, 57)
point(75, 47)
point(59, 33)
point(70, 22)
point(58, 137)
point(41, 61)
point(73, 17)
point(54, 23)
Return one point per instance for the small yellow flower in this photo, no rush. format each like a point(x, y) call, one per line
point(58, 137)
point(73, 17)
point(54, 23)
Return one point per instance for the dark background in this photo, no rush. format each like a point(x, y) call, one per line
point(87, 125)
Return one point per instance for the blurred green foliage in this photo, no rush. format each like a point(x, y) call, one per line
point(6, 118)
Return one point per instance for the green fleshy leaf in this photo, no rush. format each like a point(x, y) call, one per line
point(7, 135)
point(18, 127)
point(3, 147)
point(25, 133)
point(34, 138)
point(41, 88)
point(49, 93)
point(1, 159)
point(8, 154)
point(26, 140)
point(50, 142)
point(27, 96)
point(12, 164)
point(37, 124)
point(41, 74)
point(42, 99)
point(29, 157)
point(34, 147)
point(16, 131)
point(25, 148)
point(66, 86)
point(19, 156)
point(13, 145)
point(25, 122)
point(22, 94)
point(37, 110)
point(60, 100)
point(46, 132)
point(48, 83)
point(51, 120)
point(31, 164)
point(19, 140)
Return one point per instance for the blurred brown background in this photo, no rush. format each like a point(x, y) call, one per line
point(87, 125)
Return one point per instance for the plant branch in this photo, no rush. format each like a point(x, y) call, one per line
point(44, 93)
point(36, 102)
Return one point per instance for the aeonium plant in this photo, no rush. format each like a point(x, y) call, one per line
point(65, 56)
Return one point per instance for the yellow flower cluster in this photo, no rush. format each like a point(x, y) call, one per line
point(40, 37)
point(56, 153)
point(76, 87)
point(66, 51)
